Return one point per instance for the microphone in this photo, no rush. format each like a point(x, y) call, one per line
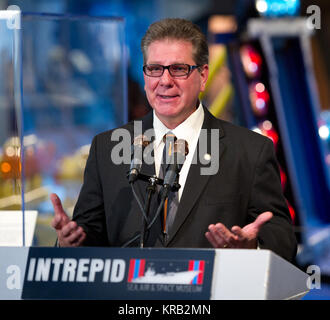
point(138, 145)
point(177, 158)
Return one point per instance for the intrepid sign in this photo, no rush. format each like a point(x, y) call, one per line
point(116, 273)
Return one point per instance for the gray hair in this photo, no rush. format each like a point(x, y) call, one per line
point(177, 29)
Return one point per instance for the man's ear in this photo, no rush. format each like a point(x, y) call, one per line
point(204, 76)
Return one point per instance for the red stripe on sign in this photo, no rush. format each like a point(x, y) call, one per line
point(201, 274)
point(131, 270)
point(191, 265)
point(142, 266)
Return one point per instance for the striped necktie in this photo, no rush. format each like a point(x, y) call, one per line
point(172, 202)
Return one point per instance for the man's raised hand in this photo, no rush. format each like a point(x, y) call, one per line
point(69, 234)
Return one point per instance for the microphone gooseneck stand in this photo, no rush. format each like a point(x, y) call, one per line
point(151, 189)
point(170, 183)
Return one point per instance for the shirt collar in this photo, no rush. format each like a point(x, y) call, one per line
point(186, 130)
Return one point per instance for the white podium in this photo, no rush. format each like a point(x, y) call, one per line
point(147, 274)
point(255, 275)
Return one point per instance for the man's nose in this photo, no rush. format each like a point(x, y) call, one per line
point(166, 79)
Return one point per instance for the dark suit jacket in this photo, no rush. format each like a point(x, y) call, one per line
point(246, 184)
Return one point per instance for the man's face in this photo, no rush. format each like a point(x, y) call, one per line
point(173, 99)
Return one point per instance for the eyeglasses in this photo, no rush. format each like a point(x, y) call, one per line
point(176, 70)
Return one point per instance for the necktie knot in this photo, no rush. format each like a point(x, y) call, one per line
point(169, 136)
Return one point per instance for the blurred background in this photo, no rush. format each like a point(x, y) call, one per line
point(74, 69)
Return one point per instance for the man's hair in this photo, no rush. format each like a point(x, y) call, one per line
point(177, 29)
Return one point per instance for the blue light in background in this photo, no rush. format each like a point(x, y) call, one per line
point(277, 8)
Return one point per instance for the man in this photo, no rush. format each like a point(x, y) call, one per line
point(240, 205)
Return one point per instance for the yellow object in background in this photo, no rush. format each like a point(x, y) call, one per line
point(215, 65)
point(221, 100)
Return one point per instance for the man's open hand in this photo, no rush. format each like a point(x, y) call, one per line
point(244, 238)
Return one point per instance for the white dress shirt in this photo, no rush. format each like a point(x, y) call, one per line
point(188, 130)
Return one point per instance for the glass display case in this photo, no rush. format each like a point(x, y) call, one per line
point(69, 83)
point(11, 134)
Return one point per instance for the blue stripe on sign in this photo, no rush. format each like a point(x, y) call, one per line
point(136, 269)
point(196, 267)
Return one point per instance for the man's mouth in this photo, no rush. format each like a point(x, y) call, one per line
point(167, 96)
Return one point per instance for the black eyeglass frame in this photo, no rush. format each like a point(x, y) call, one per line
point(191, 69)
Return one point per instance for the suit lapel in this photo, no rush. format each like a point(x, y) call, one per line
point(196, 182)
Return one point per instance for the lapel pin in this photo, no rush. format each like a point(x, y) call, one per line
point(207, 157)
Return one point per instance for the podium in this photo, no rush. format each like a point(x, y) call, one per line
point(254, 275)
point(147, 274)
